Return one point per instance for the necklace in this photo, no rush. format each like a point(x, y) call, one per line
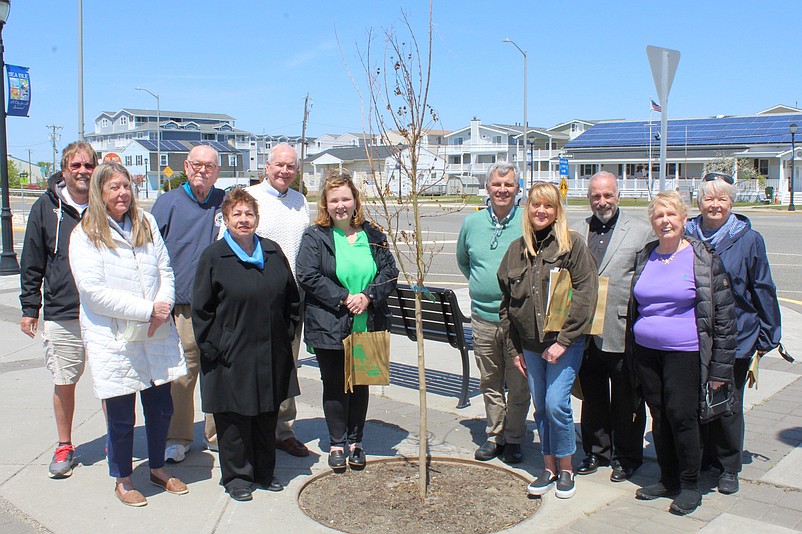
point(669, 259)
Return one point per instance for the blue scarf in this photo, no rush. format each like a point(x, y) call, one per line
point(192, 196)
point(257, 258)
point(731, 226)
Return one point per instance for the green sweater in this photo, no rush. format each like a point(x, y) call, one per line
point(479, 262)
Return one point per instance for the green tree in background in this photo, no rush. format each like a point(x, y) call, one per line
point(13, 176)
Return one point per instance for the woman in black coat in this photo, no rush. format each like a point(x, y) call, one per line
point(244, 313)
point(346, 272)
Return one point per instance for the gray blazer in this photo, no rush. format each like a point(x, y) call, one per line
point(618, 264)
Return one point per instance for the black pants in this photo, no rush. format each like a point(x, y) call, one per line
point(724, 438)
point(247, 446)
point(671, 386)
point(613, 412)
point(345, 412)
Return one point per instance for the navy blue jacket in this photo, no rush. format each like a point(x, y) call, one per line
point(756, 307)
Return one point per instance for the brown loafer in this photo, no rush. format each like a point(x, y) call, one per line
point(171, 485)
point(292, 446)
point(130, 497)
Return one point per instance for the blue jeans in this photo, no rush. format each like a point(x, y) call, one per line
point(550, 385)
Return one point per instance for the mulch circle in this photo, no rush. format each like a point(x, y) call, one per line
point(463, 496)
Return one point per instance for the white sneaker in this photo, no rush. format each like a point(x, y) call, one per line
point(175, 453)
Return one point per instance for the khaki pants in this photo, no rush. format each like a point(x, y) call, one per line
point(183, 389)
point(506, 417)
point(287, 412)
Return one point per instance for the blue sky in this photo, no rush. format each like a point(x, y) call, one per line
point(257, 60)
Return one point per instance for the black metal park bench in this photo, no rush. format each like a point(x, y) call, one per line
point(443, 321)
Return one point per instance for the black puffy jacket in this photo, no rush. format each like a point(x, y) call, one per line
point(326, 321)
point(715, 312)
point(45, 257)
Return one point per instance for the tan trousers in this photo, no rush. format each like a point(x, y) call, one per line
point(287, 412)
point(506, 416)
point(183, 390)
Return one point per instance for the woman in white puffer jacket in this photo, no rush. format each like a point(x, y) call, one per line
point(126, 286)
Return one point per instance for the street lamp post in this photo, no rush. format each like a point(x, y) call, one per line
point(8, 259)
point(158, 139)
point(792, 129)
point(526, 124)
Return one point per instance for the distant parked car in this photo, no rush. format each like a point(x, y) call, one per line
point(235, 186)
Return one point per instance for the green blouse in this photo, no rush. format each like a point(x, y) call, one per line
point(355, 268)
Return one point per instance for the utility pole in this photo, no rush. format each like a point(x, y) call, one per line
point(54, 137)
point(303, 145)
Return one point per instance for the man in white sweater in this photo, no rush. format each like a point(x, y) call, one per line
point(283, 217)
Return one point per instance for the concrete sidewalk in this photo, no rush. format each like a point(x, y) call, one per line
point(770, 499)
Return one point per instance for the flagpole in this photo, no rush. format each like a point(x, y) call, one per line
point(649, 175)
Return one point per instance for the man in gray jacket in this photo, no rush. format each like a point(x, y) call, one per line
point(613, 412)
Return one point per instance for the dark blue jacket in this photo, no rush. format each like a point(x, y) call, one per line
point(756, 307)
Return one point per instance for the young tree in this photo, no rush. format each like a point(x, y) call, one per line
point(397, 116)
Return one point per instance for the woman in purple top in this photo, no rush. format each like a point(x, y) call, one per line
point(681, 337)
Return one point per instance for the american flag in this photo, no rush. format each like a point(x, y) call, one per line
point(655, 106)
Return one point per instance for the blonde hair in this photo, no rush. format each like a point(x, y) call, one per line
point(335, 179)
point(670, 199)
point(95, 221)
point(546, 192)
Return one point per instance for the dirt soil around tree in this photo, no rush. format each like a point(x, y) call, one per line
point(463, 496)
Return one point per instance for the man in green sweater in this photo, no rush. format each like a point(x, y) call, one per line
point(483, 240)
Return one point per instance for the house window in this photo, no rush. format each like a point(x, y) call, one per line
point(588, 169)
point(761, 166)
point(128, 160)
point(163, 160)
point(497, 139)
point(208, 137)
point(124, 120)
point(105, 123)
point(458, 140)
point(232, 160)
point(138, 159)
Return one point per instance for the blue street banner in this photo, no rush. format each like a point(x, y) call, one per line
point(19, 91)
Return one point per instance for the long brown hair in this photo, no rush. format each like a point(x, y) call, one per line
point(540, 192)
point(95, 221)
point(335, 179)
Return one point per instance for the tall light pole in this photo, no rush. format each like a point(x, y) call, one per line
point(158, 139)
point(80, 70)
point(526, 125)
point(792, 129)
point(8, 259)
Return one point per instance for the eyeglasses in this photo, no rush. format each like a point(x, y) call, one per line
point(496, 234)
point(74, 166)
point(713, 176)
point(197, 166)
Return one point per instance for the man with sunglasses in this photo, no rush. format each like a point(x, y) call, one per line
point(482, 242)
point(189, 220)
point(613, 412)
point(45, 260)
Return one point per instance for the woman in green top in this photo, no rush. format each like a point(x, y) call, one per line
point(346, 273)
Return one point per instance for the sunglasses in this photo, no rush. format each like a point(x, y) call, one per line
point(74, 166)
point(713, 176)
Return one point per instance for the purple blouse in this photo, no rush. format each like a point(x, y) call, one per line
point(666, 295)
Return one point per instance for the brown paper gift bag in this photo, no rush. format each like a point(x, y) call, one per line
point(367, 359)
point(559, 303)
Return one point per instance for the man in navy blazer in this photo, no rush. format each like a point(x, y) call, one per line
point(613, 412)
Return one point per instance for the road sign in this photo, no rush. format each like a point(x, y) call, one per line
point(111, 157)
point(168, 172)
point(563, 166)
point(663, 62)
point(564, 188)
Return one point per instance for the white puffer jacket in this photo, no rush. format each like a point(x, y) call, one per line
point(117, 288)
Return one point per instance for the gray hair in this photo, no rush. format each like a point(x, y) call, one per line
point(716, 187)
point(502, 168)
point(281, 146)
point(603, 174)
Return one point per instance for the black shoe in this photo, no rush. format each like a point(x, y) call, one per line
point(273, 485)
point(686, 502)
point(728, 483)
point(488, 451)
point(240, 493)
point(620, 473)
point(542, 484)
point(566, 487)
point(356, 460)
point(590, 464)
point(337, 460)
point(655, 491)
point(512, 453)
